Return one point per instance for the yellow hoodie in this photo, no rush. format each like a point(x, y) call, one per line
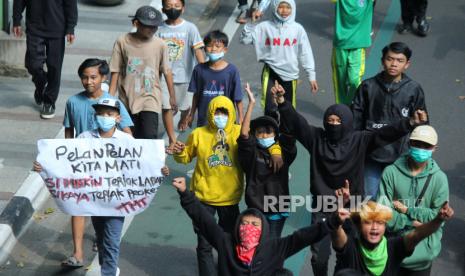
point(218, 178)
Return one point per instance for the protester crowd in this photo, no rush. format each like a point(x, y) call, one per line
point(376, 140)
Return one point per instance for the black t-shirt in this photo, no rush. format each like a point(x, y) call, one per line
point(351, 257)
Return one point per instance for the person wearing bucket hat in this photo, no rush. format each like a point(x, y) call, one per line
point(259, 145)
point(417, 188)
point(138, 60)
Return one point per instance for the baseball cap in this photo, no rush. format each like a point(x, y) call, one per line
point(264, 121)
point(425, 134)
point(148, 16)
point(107, 102)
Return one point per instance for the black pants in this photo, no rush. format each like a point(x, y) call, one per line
point(145, 125)
point(413, 9)
point(268, 79)
point(320, 250)
point(244, 2)
point(408, 272)
point(49, 51)
point(227, 216)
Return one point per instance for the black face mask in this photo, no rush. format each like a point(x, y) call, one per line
point(172, 14)
point(334, 132)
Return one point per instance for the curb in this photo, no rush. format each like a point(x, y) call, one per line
point(16, 216)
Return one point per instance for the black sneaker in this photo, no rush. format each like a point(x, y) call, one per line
point(423, 28)
point(47, 112)
point(38, 97)
point(404, 28)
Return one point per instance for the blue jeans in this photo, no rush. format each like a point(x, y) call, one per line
point(108, 234)
point(227, 216)
point(373, 171)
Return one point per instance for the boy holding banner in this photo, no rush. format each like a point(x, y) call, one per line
point(107, 228)
point(80, 117)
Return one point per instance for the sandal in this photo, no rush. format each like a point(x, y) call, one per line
point(72, 262)
point(242, 19)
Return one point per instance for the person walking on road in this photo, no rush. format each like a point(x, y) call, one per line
point(259, 144)
point(185, 47)
point(138, 60)
point(281, 44)
point(417, 188)
point(337, 154)
point(80, 117)
point(370, 252)
point(218, 180)
point(352, 29)
point(47, 23)
point(382, 100)
point(413, 10)
point(249, 250)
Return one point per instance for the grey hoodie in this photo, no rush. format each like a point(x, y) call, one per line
point(281, 44)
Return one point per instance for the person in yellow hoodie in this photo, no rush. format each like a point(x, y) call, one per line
point(218, 178)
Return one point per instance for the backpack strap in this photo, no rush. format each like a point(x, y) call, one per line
point(420, 197)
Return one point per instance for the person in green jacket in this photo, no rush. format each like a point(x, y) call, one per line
point(402, 185)
point(352, 28)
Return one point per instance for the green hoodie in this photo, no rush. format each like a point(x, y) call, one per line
point(397, 183)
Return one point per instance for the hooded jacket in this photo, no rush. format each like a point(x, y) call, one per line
point(281, 44)
point(377, 104)
point(270, 254)
point(47, 18)
point(338, 155)
point(217, 178)
point(398, 183)
point(260, 179)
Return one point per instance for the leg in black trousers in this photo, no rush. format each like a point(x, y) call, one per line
point(55, 53)
point(34, 63)
point(145, 125)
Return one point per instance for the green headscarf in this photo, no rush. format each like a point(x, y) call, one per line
point(376, 259)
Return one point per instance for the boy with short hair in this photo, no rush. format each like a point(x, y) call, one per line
point(184, 46)
point(280, 43)
point(107, 229)
point(260, 140)
point(382, 100)
point(137, 62)
point(218, 179)
point(80, 117)
point(217, 77)
point(352, 29)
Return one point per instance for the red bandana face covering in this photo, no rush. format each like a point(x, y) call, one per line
point(250, 237)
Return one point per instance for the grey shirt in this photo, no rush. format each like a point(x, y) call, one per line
point(182, 40)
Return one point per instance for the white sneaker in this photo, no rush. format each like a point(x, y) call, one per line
point(117, 271)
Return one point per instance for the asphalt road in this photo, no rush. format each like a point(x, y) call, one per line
point(160, 241)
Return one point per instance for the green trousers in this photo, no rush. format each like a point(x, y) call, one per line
point(348, 69)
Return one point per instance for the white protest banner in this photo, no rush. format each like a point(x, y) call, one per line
point(102, 177)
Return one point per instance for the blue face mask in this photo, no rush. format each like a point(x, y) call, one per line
point(105, 123)
point(420, 155)
point(265, 142)
point(215, 56)
point(220, 121)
